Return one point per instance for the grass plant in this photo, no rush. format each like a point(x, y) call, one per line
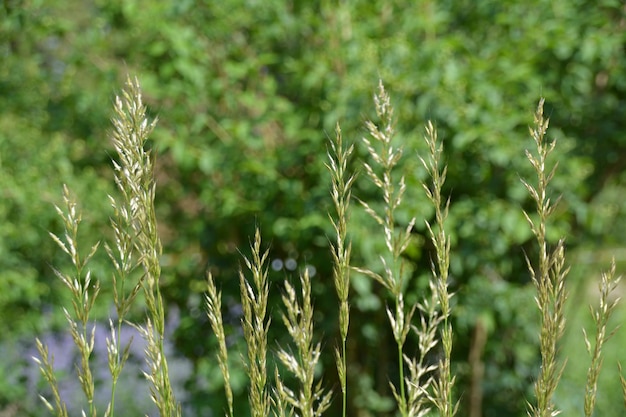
point(413, 393)
point(137, 246)
point(424, 387)
point(622, 383)
point(255, 326)
point(600, 315)
point(549, 276)
point(341, 194)
point(84, 294)
point(385, 157)
point(442, 387)
point(550, 272)
point(310, 399)
point(214, 311)
point(135, 181)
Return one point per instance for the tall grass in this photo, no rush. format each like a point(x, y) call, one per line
point(411, 392)
point(341, 249)
point(600, 315)
point(549, 275)
point(385, 157)
point(423, 387)
point(137, 247)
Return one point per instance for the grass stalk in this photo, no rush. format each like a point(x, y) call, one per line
point(255, 325)
point(214, 311)
point(386, 157)
point(600, 315)
point(441, 241)
point(135, 180)
point(124, 263)
point(419, 380)
point(310, 400)
point(46, 366)
point(84, 293)
point(254, 298)
point(622, 381)
point(341, 249)
point(136, 244)
point(549, 275)
point(124, 254)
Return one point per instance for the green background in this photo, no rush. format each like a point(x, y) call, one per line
point(247, 93)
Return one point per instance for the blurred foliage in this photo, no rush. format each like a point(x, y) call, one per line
point(248, 90)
